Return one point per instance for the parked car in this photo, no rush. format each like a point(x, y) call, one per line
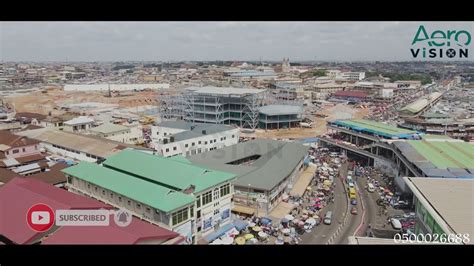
point(354, 201)
point(370, 187)
point(396, 224)
point(354, 210)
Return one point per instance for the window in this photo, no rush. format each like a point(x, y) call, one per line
point(225, 190)
point(164, 134)
point(199, 142)
point(216, 212)
point(205, 142)
point(216, 194)
point(89, 186)
point(215, 140)
point(120, 199)
point(180, 216)
point(24, 149)
point(111, 195)
point(167, 150)
point(138, 205)
point(186, 145)
point(6, 152)
point(15, 151)
point(95, 189)
point(148, 210)
point(222, 139)
point(198, 201)
point(206, 198)
point(233, 136)
point(192, 144)
point(103, 192)
point(129, 203)
point(198, 214)
point(174, 148)
point(157, 133)
point(191, 212)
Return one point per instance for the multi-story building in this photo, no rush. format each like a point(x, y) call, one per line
point(172, 138)
point(280, 116)
point(216, 105)
point(170, 192)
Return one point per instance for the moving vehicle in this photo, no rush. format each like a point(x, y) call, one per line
point(354, 201)
point(354, 210)
point(370, 187)
point(352, 193)
point(328, 218)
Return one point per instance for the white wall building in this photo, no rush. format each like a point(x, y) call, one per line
point(172, 138)
point(351, 75)
point(115, 87)
point(78, 124)
point(120, 133)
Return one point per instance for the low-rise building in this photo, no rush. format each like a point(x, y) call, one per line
point(13, 146)
point(78, 124)
point(264, 169)
point(443, 206)
point(20, 194)
point(75, 146)
point(170, 192)
point(116, 132)
point(172, 138)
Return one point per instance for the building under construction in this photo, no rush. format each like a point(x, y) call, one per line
point(217, 105)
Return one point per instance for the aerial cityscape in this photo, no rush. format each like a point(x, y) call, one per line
point(236, 133)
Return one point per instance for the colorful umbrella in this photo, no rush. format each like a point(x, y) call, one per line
point(240, 240)
point(248, 236)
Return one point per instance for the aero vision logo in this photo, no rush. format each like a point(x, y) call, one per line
point(440, 44)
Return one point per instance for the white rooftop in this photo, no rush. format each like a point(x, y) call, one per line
point(224, 90)
point(79, 120)
point(451, 198)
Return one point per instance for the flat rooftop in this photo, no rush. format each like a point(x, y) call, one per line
point(223, 90)
point(275, 160)
point(451, 198)
point(281, 109)
point(367, 126)
point(193, 130)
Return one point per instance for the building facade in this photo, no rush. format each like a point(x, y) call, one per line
point(172, 193)
point(172, 138)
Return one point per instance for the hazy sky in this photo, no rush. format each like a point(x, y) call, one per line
point(155, 41)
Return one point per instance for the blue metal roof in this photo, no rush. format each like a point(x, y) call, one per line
point(220, 232)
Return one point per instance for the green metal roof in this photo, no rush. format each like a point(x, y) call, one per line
point(430, 136)
point(151, 194)
point(174, 173)
point(376, 126)
point(444, 154)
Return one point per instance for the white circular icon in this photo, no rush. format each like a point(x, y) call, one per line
point(122, 218)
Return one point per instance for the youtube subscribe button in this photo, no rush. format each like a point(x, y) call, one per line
point(82, 217)
point(40, 217)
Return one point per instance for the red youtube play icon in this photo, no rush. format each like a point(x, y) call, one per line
point(40, 217)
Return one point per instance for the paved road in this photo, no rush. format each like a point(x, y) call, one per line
point(322, 233)
point(353, 225)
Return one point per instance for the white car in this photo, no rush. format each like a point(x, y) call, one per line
point(370, 187)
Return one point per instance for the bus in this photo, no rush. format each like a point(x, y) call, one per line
point(352, 193)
